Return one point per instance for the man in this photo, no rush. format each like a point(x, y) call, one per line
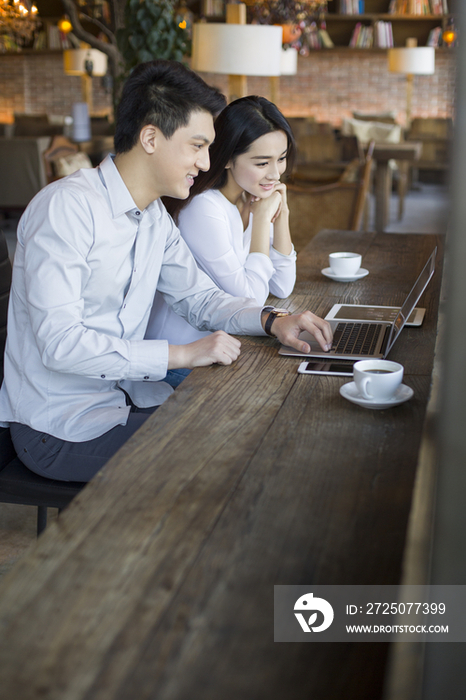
point(92, 249)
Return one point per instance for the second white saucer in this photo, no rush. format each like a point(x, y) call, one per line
point(350, 392)
point(327, 271)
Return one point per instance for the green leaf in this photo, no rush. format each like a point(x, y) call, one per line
point(147, 25)
point(136, 41)
point(145, 56)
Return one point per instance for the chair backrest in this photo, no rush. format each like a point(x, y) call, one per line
point(314, 148)
point(339, 205)
point(303, 126)
point(350, 148)
point(318, 152)
point(35, 125)
point(5, 283)
point(364, 188)
point(432, 127)
point(22, 170)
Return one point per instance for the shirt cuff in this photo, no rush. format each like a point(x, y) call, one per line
point(250, 321)
point(148, 360)
point(276, 253)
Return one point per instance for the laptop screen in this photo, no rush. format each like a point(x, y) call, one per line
point(411, 300)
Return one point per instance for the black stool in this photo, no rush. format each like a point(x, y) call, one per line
point(21, 486)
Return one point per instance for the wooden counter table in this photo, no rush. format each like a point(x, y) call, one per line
point(157, 582)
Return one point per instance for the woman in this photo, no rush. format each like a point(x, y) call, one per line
point(236, 220)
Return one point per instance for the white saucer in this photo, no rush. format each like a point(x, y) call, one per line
point(357, 276)
point(402, 394)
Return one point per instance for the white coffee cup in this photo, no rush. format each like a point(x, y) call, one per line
point(377, 379)
point(344, 264)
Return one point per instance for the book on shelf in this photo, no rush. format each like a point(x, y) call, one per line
point(57, 39)
point(383, 34)
point(435, 37)
point(40, 41)
point(362, 37)
point(325, 39)
point(436, 7)
point(213, 8)
point(418, 7)
point(352, 7)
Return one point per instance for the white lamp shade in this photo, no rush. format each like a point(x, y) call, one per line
point(419, 60)
point(237, 49)
point(289, 62)
point(74, 61)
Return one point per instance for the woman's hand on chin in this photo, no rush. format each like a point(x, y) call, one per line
point(269, 207)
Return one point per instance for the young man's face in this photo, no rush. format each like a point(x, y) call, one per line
point(179, 159)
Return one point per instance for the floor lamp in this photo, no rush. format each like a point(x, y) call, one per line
point(87, 63)
point(237, 50)
point(411, 60)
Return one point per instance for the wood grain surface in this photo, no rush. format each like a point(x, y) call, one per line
point(157, 582)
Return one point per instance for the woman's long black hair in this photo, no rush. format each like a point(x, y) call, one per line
point(240, 124)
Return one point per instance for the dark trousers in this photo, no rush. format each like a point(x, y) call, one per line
point(72, 461)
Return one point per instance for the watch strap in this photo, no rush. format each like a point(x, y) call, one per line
point(273, 314)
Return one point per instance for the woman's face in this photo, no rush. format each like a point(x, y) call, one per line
point(258, 170)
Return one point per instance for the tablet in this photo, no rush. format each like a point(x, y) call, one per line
point(370, 312)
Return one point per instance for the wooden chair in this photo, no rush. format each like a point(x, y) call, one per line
point(436, 135)
point(323, 154)
point(382, 129)
point(17, 483)
point(338, 205)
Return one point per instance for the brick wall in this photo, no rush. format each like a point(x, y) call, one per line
point(331, 84)
point(328, 86)
point(36, 84)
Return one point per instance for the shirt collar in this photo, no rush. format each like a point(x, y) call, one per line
point(121, 201)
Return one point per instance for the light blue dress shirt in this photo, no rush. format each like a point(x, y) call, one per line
point(87, 265)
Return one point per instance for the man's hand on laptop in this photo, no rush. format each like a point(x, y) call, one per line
point(288, 328)
point(216, 348)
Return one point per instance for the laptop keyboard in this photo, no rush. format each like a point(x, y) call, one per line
point(356, 338)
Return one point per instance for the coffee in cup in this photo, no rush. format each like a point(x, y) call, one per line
point(377, 379)
point(344, 264)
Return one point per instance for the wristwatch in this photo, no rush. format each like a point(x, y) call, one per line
point(272, 315)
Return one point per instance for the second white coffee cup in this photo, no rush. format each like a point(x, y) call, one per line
point(377, 379)
point(344, 264)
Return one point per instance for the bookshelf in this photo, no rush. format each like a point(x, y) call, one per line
point(341, 26)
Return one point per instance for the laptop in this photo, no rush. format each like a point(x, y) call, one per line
point(360, 340)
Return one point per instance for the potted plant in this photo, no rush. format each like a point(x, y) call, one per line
point(152, 30)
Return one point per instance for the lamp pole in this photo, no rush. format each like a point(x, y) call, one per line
point(237, 84)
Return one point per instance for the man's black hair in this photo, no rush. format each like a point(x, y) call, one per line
point(164, 94)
